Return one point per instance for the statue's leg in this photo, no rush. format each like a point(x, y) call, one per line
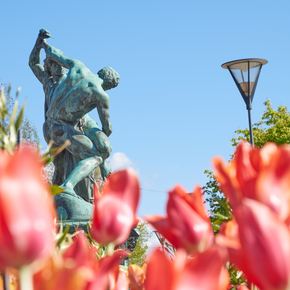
point(82, 170)
point(103, 147)
point(71, 206)
point(83, 149)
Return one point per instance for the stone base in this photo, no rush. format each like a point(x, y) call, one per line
point(74, 225)
point(73, 209)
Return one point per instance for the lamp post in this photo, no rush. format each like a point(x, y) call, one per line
point(245, 73)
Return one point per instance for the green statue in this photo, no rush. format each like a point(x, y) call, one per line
point(72, 90)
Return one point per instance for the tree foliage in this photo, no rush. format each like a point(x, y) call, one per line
point(27, 131)
point(138, 255)
point(219, 208)
point(10, 122)
point(274, 126)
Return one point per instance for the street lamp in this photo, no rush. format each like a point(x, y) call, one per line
point(245, 73)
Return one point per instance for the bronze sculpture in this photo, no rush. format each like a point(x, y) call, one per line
point(72, 90)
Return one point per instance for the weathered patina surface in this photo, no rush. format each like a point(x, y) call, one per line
point(72, 90)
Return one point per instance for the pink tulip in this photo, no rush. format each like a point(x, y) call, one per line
point(259, 244)
point(81, 252)
point(203, 272)
point(259, 174)
point(115, 210)
point(187, 225)
point(265, 244)
point(136, 276)
point(122, 282)
point(242, 287)
point(26, 209)
point(79, 268)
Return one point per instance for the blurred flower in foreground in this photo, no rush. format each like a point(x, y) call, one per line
point(79, 268)
point(257, 183)
point(115, 209)
point(242, 287)
point(259, 244)
point(121, 281)
point(259, 174)
point(187, 225)
point(203, 272)
point(136, 275)
point(26, 209)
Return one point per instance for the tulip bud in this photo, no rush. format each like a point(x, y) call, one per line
point(26, 209)
point(187, 225)
point(115, 210)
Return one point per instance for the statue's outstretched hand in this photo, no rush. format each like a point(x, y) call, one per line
point(43, 34)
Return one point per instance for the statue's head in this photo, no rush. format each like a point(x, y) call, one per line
point(110, 77)
point(53, 68)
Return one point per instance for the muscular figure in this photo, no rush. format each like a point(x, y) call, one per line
point(71, 91)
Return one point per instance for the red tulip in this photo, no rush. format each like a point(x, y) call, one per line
point(84, 255)
point(228, 237)
point(81, 252)
point(115, 210)
point(203, 272)
point(79, 268)
point(242, 287)
point(265, 243)
point(259, 174)
point(26, 209)
point(122, 282)
point(187, 225)
point(136, 277)
point(262, 246)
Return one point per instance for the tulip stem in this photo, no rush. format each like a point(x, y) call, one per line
point(25, 278)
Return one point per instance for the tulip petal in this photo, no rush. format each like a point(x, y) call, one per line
point(162, 225)
point(80, 251)
point(245, 172)
point(112, 220)
point(226, 176)
point(122, 282)
point(136, 277)
point(124, 184)
point(265, 243)
point(205, 272)
point(160, 273)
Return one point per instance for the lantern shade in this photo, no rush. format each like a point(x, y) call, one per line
point(245, 73)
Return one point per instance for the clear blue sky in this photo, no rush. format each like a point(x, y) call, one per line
point(175, 108)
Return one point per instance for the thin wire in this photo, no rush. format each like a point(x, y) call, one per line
point(153, 190)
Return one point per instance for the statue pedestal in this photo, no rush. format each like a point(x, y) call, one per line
point(74, 225)
point(73, 209)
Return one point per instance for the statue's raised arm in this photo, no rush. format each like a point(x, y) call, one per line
point(57, 55)
point(34, 58)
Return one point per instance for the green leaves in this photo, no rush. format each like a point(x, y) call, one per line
point(138, 255)
point(56, 189)
point(9, 123)
point(274, 126)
